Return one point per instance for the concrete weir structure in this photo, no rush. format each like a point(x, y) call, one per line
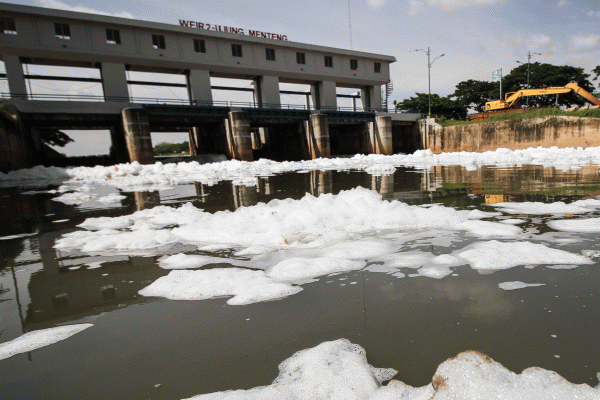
point(264, 127)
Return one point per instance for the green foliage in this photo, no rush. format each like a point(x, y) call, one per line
point(163, 149)
point(538, 113)
point(441, 106)
point(545, 75)
point(474, 94)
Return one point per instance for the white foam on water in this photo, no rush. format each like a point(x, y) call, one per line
point(311, 222)
point(588, 225)
point(22, 235)
point(517, 285)
point(111, 198)
point(331, 370)
point(339, 370)
point(472, 375)
point(512, 221)
point(75, 198)
point(490, 229)
point(478, 214)
point(557, 208)
point(185, 261)
point(246, 286)
point(151, 177)
point(494, 255)
point(296, 268)
point(115, 242)
point(40, 338)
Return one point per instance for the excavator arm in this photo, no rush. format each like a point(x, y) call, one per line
point(512, 99)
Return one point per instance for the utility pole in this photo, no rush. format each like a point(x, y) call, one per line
point(529, 55)
point(429, 64)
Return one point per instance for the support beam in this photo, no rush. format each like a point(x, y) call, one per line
point(114, 82)
point(371, 98)
point(198, 85)
point(137, 135)
point(318, 136)
point(15, 76)
point(239, 139)
point(324, 95)
point(266, 92)
point(380, 137)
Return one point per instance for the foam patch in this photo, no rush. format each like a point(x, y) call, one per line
point(40, 338)
point(589, 225)
point(246, 286)
point(495, 255)
point(518, 285)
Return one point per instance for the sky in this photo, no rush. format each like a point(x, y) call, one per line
point(475, 36)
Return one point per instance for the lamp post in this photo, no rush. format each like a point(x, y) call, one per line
point(529, 55)
point(429, 64)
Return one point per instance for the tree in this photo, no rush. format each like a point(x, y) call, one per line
point(442, 106)
point(474, 94)
point(545, 75)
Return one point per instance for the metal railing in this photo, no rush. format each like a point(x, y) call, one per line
point(182, 102)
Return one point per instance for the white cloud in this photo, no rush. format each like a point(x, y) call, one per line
point(583, 43)
point(416, 7)
point(420, 6)
point(377, 3)
point(79, 8)
point(536, 43)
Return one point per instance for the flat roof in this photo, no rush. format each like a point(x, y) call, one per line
point(158, 26)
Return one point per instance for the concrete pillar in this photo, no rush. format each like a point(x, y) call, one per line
point(371, 97)
point(137, 135)
point(318, 136)
point(114, 82)
point(199, 89)
point(15, 76)
point(380, 136)
point(239, 139)
point(266, 92)
point(118, 146)
point(324, 95)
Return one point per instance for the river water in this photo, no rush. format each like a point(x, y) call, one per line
point(146, 347)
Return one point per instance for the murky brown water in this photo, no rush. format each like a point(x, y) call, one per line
point(150, 348)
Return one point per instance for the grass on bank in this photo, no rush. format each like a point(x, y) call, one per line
point(538, 113)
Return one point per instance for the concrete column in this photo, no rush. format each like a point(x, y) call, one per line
point(118, 146)
point(114, 82)
point(371, 97)
point(266, 92)
point(324, 95)
point(137, 135)
point(239, 139)
point(199, 90)
point(318, 136)
point(15, 76)
point(381, 136)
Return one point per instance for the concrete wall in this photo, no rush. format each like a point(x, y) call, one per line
point(512, 134)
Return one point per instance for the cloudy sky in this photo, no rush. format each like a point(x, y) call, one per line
point(476, 36)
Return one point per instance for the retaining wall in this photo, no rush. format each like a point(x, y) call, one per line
point(556, 131)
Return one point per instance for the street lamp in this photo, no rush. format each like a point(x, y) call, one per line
point(529, 55)
point(429, 64)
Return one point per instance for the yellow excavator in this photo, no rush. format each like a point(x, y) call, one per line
point(510, 104)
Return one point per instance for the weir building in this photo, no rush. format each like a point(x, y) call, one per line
point(199, 51)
